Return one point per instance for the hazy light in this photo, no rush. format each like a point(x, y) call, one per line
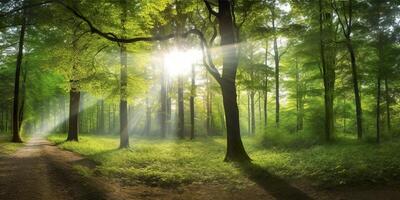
point(178, 62)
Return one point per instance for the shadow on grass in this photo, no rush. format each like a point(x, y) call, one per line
point(275, 186)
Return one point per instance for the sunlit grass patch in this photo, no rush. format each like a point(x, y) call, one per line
point(159, 162)
point(7, 147)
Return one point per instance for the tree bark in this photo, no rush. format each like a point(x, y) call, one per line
point(73, 112)
point(192, 97)
point(16, 134)
point(378, 109)
point(123, 105)
point(181, 110)
point(354, 73)
point(328, 55)
point(147, 127)
point(235, 149)
point(252, 111)
point(387, 99)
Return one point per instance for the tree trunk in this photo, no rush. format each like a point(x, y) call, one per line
point(266, 86)
point(387, 99)
point(354, 73)
point(16, 135)
point(209, 107)
point(192, 96)
point(101, 117)
point(328, 55)
point(163, 99)
point(148, 117)
point(235, 148)
point(73, 112)
point(378, 109)
point(276, 58)
point(123, 104)
point(252, 111)
point(23, 94)
point(248, 114)
point(181, 114)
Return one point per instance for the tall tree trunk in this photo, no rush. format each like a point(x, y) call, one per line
point(209, 120)
point(378, 109)
point(192, 97)
point(163, 99)
point(354, 72)
point(23, 94)
point(387, 99)
point(328, 55)
point(297, 97)
point(266, 86)
point(123, 105)
point(181, 111)
point(73, 112)
point(248, 114)
point(16, 135)
point(148, 117)
point(101, 117)
point(276, 58)
point(235, 148)
point(252, 111)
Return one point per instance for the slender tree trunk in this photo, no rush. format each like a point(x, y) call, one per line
point(297, 97)
point(148, 117)
point(209, 118)
point(266, 87)
point(387, 99)
point(354, 72)
point(252, 111)
point(248, 114)
point(23, 94)
point(181, 111)
point(276, 58)
point(101, 117)
point(163, 99)
point(378, 109)
point(192, 97)
point(123, 105)
point(16, 135)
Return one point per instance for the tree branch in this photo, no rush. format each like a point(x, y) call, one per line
point(207, 58)
point(25, 7)
point(209, 8)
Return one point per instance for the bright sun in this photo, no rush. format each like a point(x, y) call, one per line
point(178, 62)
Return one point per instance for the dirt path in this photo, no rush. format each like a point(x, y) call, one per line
point(42, 171)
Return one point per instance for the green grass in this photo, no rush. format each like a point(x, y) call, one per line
point(172, 163)
point(7, 147)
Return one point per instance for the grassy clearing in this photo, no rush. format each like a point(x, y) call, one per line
point(172, 163)
point(7, 147)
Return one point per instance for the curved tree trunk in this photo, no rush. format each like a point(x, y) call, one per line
point(235, 149)
point(15, 122)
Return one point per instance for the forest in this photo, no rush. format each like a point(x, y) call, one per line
point(200, 99)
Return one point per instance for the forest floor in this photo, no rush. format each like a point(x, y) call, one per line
point(40, 170)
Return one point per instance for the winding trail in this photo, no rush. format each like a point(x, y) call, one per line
point(41, 171)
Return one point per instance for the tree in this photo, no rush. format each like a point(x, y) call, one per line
point(16, 118)
point(347, 25)
point(327, 52)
